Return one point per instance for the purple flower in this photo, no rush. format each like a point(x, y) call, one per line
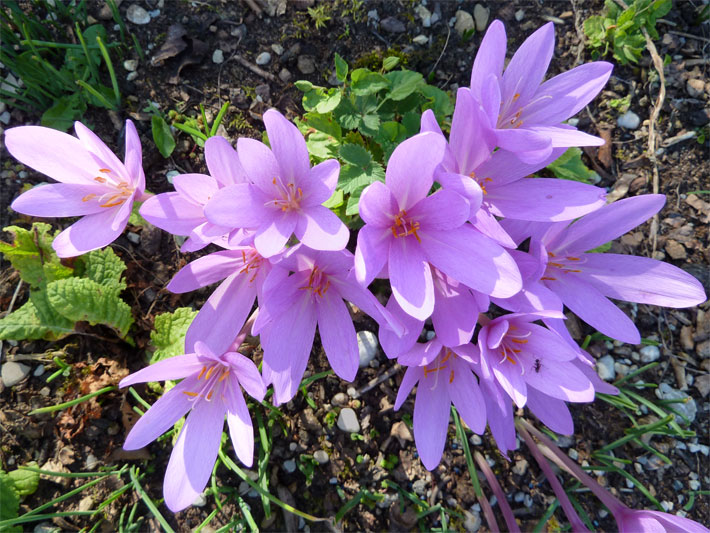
point(445, 376)
point(526, 359)
point(293, 304)
point(633, 521)
point(585, 281)
point(182, 212)
point(283, 195)
point(220, 319)
point(527, 113)
point(409, 232)
point(210, 388)
point(93, 183)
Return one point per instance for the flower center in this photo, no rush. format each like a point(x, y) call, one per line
point(118, 193)
point(561, 265)
point(473, 176)
point(439, 364)
point(511, 111)
point(318, 282)
point(404, 226)
point(251, 261)
point(288, 196)
point(214, 376)
point(511, 345)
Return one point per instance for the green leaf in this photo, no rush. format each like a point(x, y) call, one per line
point(322, 145)
point(353, 178)
point(64, 112)
point(323, 123)
point(105, 268)
point(390, 62)
point(320, 101)
point(25, 481)
point(83, 299)
point(168, 335)
point(135, 218)
point(389, 136)
point(365, 82)
point(404, 83)
point(439, 102)
point(35, 320)
point(32, 255)
point(569, 166)
point(304, 85)
point(347, 115)
point(341, 68)
point(335, 201)
point(370, 124)
point(355, 154)
point(162, 136)
point(9, 498)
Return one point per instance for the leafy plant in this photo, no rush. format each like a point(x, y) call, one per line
point(569, 166)
point(194, 126)
point(620, 30)
point(168, 335)
point(13, 487)
point(62, 294)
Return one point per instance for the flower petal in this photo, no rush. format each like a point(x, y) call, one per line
point(564, 136)
point(259, 163)
point(410, 277)
point(377, 205)
point(236, 206)
point(176, 367)
point(466, 396)
point(171, 212)
point(61, 200)
point(60, 156)
point(197, 188)
point(102, 154)
point(490, 57)
point(223, 162)
point(410, 378)
point(561, 380)
point(133, 159)
point(241, 430)
point(489, 226)
point(248, 375)
point(194, 454)
point(89, 233)
point(551, 412)
point(337, 334)
point(431, 421)
point(443, 210)
point(321, 229)
point(288, 146)
point(524, 140)
point(527, 68)
point(472, 140)
point(321, 183)
point(206, 270)
point(372, 251)
point(410, 170)
point(271, 237)
point(396, 345)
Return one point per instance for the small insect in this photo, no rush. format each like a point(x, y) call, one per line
point(538, 365)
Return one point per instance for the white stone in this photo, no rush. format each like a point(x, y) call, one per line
point(137, 15)
point(200, 501)
point(649, 354)
point(421, 40)
point(424, 14)
point(472, 522)
point(130, 64)
point(278, 49)
point(10, 84)
point(481, 15)
point(13, 373)
point(3, 106)
point(629, 120)
point(573, 454)
point(347, 420)
point(519, 15)
point(263, 58)
point(133, 237)
point(321, 456)
point(38, 371)
point(290, 466)
point(605, 368)
point(694, 484)
point(131, 76)
point(5, 117)
point(170, 176)
point(218, 57)
point(367, 347)
point(464, 22)
point(686, 405)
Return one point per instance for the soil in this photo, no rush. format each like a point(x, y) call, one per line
point(90, 435)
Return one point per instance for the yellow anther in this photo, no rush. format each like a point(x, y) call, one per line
point(516, 96)
point(105, 170)
point(451, 377)
point(520, 341)
point(549, 278)
point(199, 376)
point(100, 179)
point(88, 197)
point(190, 394)
point(573, 258)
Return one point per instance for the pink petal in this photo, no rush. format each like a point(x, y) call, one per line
point(559, 380)
point(463, 185)
point(321, 229)
point(431, 420)
point(197, 188)
point(102, 154)
point(410, 170)
point(443, 210)
point(89, 233)
point(259, 163)
point(466, 396)
point(236, 206)
point(564, 136)
point(134, 157)
point(176, 367)
point(455, 312)
point(337, 334)
point(487, 224)
point(194, 454)
point(271, 238)
point(551, 412)
point(429, 123)
point(172, 213)
point(240, 426)
point(321, 182)
point(206, 270)
point(395, 345)
point(490, 57)
point(60, 156)
point(248, 375)
point(61, 200)
point(537, 145)
point(410, 378)
point(372, 251)
point(505, 167)
point(223, 162)
point(288, 146)
point(472, 141)
point(410, 277)
point(377, 205)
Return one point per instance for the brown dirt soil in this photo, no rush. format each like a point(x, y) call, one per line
point(94, 432)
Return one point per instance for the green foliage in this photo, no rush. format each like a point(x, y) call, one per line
point(363, 120)
point(197, 127)
point(162, 136)
point(13, 487)
point(168, 335)
point(620, 30)
point(61, 295)
point(569, 166)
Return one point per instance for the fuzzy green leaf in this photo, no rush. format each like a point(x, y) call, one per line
point(105, 268)
point(404, 83)
point(31, 254)
point(35, 320)
point(82, 299)
point(355, 155)
point(25, 481)
point(366, 82)
point(569, 166)
point(341, 68)
point(168, 335)
point(9, 498)
point(321, 101)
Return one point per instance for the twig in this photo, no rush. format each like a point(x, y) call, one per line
point(446, 43)
point(379, 379)
point(689, 35)
point(256, 70)
point(254, 7)
point(580, 32)
point(652, 141)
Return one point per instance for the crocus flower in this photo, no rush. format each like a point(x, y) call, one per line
point(526, 359)
point(283, 195)
point(445, 376)
point(293, 304)
point(182, 212)
point(409, 232)
point(93, 183)
point(225, 311)
point(585, 281)
point(527, 113)
point(210, 389)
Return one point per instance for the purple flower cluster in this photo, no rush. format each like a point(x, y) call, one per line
point(458, 226)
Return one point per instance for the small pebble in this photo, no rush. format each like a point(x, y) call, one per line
point(277, 49)
point(649, 354)
point(421, 40)
point(340, 399)
point(285, 76)
point(130, 64)
point(321, 456)
point(695, 87)
point(13, 373)
point(686, 406)
point(667, 506)
point(133, 237)
point(290, 466)
point(480, 16)
point(603, 513)
point(367, 347)
point(629, 120)
point(333, 481)
point(171, 175)
point(131, 76)
point(137, 15)
point(528, 501)
point(393, 25)
point(605, 368)
point(521, 466)
point(91, 461)
point(218, 57)
point(293, 446)
point(200, 501)
point(352, 392)
point(347, 420)
point(463, 22)
point(419, 486)
point(573, 454)
point(519, 497)
point(5, 117)
point(476, 440)
point(306, 64)
point(45, 391)
point(519, 15)
point(263, 58)
point(695, 448)
point(694, 484)
point(38, 371)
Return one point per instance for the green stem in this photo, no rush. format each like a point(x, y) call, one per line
point(71, 403)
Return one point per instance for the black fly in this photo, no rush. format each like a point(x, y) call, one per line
point(538, 365)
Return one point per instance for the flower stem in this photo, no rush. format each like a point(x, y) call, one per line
point(498, 491)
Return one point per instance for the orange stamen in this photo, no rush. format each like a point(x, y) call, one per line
point(520, 341)
point(549, 278)
point(105, 170)
point(100, 179)
point(88, 197)
point(190, 394)
point(451, 377)
point(199, 376)
point(573, 258)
